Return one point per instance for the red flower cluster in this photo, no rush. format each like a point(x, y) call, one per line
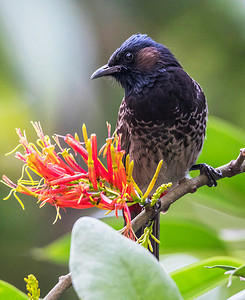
point(64, 183)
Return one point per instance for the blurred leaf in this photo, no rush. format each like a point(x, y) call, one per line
point(240, 271)
point(8, 291)
point(116, 223)
point(223, 143)
point(190, 236)
point(195, 280)
point(106, 265)
point(182, 235)
point(57, 251)
point(176, 236)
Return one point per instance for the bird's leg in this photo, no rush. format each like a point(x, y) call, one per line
point(156, 207)
point(209, 171)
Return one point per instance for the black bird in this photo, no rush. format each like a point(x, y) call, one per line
point(163, 114)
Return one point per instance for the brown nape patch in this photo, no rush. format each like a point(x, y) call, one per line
point(147, 57)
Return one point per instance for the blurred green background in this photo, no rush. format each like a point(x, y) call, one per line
point(49, 49)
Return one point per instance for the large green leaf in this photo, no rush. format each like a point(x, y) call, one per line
point(223, 143)
point(106, 265)
point(195, 280)
point(8, 291)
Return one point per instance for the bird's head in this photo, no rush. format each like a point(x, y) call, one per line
point(137, 60)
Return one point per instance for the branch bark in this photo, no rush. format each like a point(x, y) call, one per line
point(63, 284)
point(186, 186)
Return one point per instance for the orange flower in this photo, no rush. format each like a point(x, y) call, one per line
point(64, 183)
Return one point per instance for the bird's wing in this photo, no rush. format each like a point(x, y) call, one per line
point(123, 129)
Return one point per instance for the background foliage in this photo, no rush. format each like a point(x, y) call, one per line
point(49, 49)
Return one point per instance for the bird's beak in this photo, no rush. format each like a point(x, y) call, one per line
point(106, 71)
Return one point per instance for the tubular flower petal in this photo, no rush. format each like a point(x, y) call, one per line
point(64, 183)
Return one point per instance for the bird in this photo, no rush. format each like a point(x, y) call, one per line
point(163, 115)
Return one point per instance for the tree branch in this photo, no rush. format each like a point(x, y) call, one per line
point(186, 186)
point(189, 186)
point(63, 284)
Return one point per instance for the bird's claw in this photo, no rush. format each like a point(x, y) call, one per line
point(210, 172)
point(156, 208)
point(147, 202)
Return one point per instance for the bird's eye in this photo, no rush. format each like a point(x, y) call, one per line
point(128, 56)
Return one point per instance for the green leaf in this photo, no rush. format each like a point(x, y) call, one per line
point(226, 268)
point(182, 235)
point(176, 236)
point(106, 265)
point(240, 271)
point(229, 195)
point(195, 280)
point(233, 271)
point(116, 223)
point(8, 291)
point(191, 237)
point(57, 251)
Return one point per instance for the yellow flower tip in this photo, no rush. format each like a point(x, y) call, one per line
point(77, 137)
point(89, 149)
point(127, 164)
point(85, 134)
point(113, 157)
point(130, 169)
point(14, 150)
point(32, 287)
point(158, 168)
point(18, 199)
point(58, 215)
point(137, 188)
point(9, 195)
point(153, 181)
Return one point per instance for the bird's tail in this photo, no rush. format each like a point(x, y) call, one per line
point(156, 233)
point(134, 211)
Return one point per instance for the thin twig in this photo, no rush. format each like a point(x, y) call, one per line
point(63, 284)
point(186, 186)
